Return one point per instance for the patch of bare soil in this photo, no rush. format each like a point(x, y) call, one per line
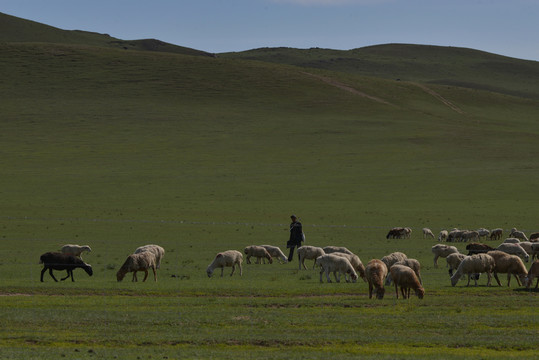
point(439, 97)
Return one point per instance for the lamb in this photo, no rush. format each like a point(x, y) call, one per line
point(336, 264)
point(442, 250)
point(308, 252)
point(392, 258)
point(518, 234)
point(532, 274)
point(141, 261)
point(496, 234)
point(61, 261)
point(508, 264)
point(514, 249)
point(478, 248)
point(335, 249)
point(427, 232)
point(453, 261)
point(257, 251)
point(156, 250)
point(405, 278)
point(356, 263)
point(75, 250)
point(276, 252)
point(478, 263)
point(376, 272)
point(442, 236)
point(229, 258)
point(412, 264)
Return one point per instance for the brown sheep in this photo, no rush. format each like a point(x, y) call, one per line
point(532, 274)
point(376, 272)
point(405, 278)
point(478, 248)
point(508, 264)
point(138, 262)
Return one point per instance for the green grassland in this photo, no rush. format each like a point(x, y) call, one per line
point(117, 149)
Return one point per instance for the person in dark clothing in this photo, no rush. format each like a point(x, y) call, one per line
point(296, 236)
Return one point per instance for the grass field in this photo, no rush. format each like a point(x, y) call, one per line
point(116, 149)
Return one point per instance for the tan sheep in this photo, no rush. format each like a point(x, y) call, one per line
point(229, 258)
point(427, 232)
point(138, 262)
point(276, 252)
point(156, 250)
point(405, 278)
point(356, 263)
point(75, 250)
point(334, 249)
point(474, 264)
point(337, 265)
point(508, 264)
point(514, 249)
point(518, 234)
point(257, 251)
point(496, 234)
point(308, 252)
point(532, 274)
point(442, 250)
point(376, 272)
point(412, 264)
point(393, 258)
point(442, 236)
point(527, 246)
point(453, 261)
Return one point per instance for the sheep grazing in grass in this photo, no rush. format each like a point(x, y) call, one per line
point(337, 265)
point(442, 236)
point(470, 236)
point(474, 264)
point(483, 233)
point(514, 249)
point(518, 234)
point(533, 273)
point(138, 262)
point(156, 250)
point(376, 272)
point(229, 258)
point(427, 232)
point(454, 235)
point(405, 278)
point(335, 249)
point(496, 234)
point(510, 265)
point(308, 252)
point(413, 264)
point(398, 233)
point(258, 252)
point(61, 261)
point(442, 250)
point(478, 248)
point(356, 263)
point(276, 252)
point(75, 250)
point(527, 246)
point(453, 261)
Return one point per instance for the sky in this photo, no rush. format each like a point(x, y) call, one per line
point(505, 27)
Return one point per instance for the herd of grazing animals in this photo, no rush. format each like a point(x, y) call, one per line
point(395, 267)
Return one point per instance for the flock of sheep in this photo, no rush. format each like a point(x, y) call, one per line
point(395, 267)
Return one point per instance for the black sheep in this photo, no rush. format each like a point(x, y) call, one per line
point(59, 261)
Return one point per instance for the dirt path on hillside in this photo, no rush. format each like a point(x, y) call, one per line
point(439, 97)
point(347, 88)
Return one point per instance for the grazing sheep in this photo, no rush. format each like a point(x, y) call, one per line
point(534, 236)
point(470, 236)
point(276, 252)
point(336, 264)
point(156, 250)
point(427, 232)
point(527, 246)
point(442, 236)
point(496, 234)
point(478, 248)
point(412, 264)
point(335, 249)
point(356, 263)
point(60, 261)
point(483, 233)
point(138, 262)
point(511, 241)
point(455, 235)
point(532, 274)
point(405, 278)
point(442, 250)
point(229, 258)
point(308, 252)
point(453, 261)
point(394, 257)
point(75, 250)
point(257, 251)
point(514, 249)
point(518, 234)
point(396, 233)
point(508, 264)
point(376, 272)
point(474, 264)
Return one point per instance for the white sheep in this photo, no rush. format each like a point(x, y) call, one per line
point(470, 236)
point(474, 264)
point(376, 272)
point(393, 258)
point(508, 264)
point(527, 246)
point(75, 250)
point(229, 258)
point(413, 264)
point(156, 250)
point(258, 252)
point(337, 265)
point(356, 263)
point(405, 278)
point(532, 274)
point(138, 262)
point(308, 252)
point(442, 236)
point(453, 261)
point(442, 250)
point(514, 249)
point(483, 233)
point(334, 249)
point(427, 232)
point(276, 252)
point(518, 234)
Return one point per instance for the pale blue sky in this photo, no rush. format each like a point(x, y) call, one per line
point(506, 27)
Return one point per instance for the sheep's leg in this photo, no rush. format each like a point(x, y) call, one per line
point(327, 276)
point(497, 280)
point(370, 290)
point(45, 269)
point(321, 272)
point(435, 261)
point(249, 259)
point(223, 269)
point(518, 280)
point(489, 278)
point(241, 270)
point(134, 276)
point(50, 272)
point(145, 275)
point(154, 274)
point(233, 269)
point(337, 276)
point(469, 276)
point(396, 290)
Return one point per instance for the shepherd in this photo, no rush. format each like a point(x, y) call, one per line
point(296, 236)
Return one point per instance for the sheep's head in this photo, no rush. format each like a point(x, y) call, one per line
point(268, 256)
point(420, 293)
point(88, 269)
point(380, 293)
point(209, 271)
point(121, 274)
